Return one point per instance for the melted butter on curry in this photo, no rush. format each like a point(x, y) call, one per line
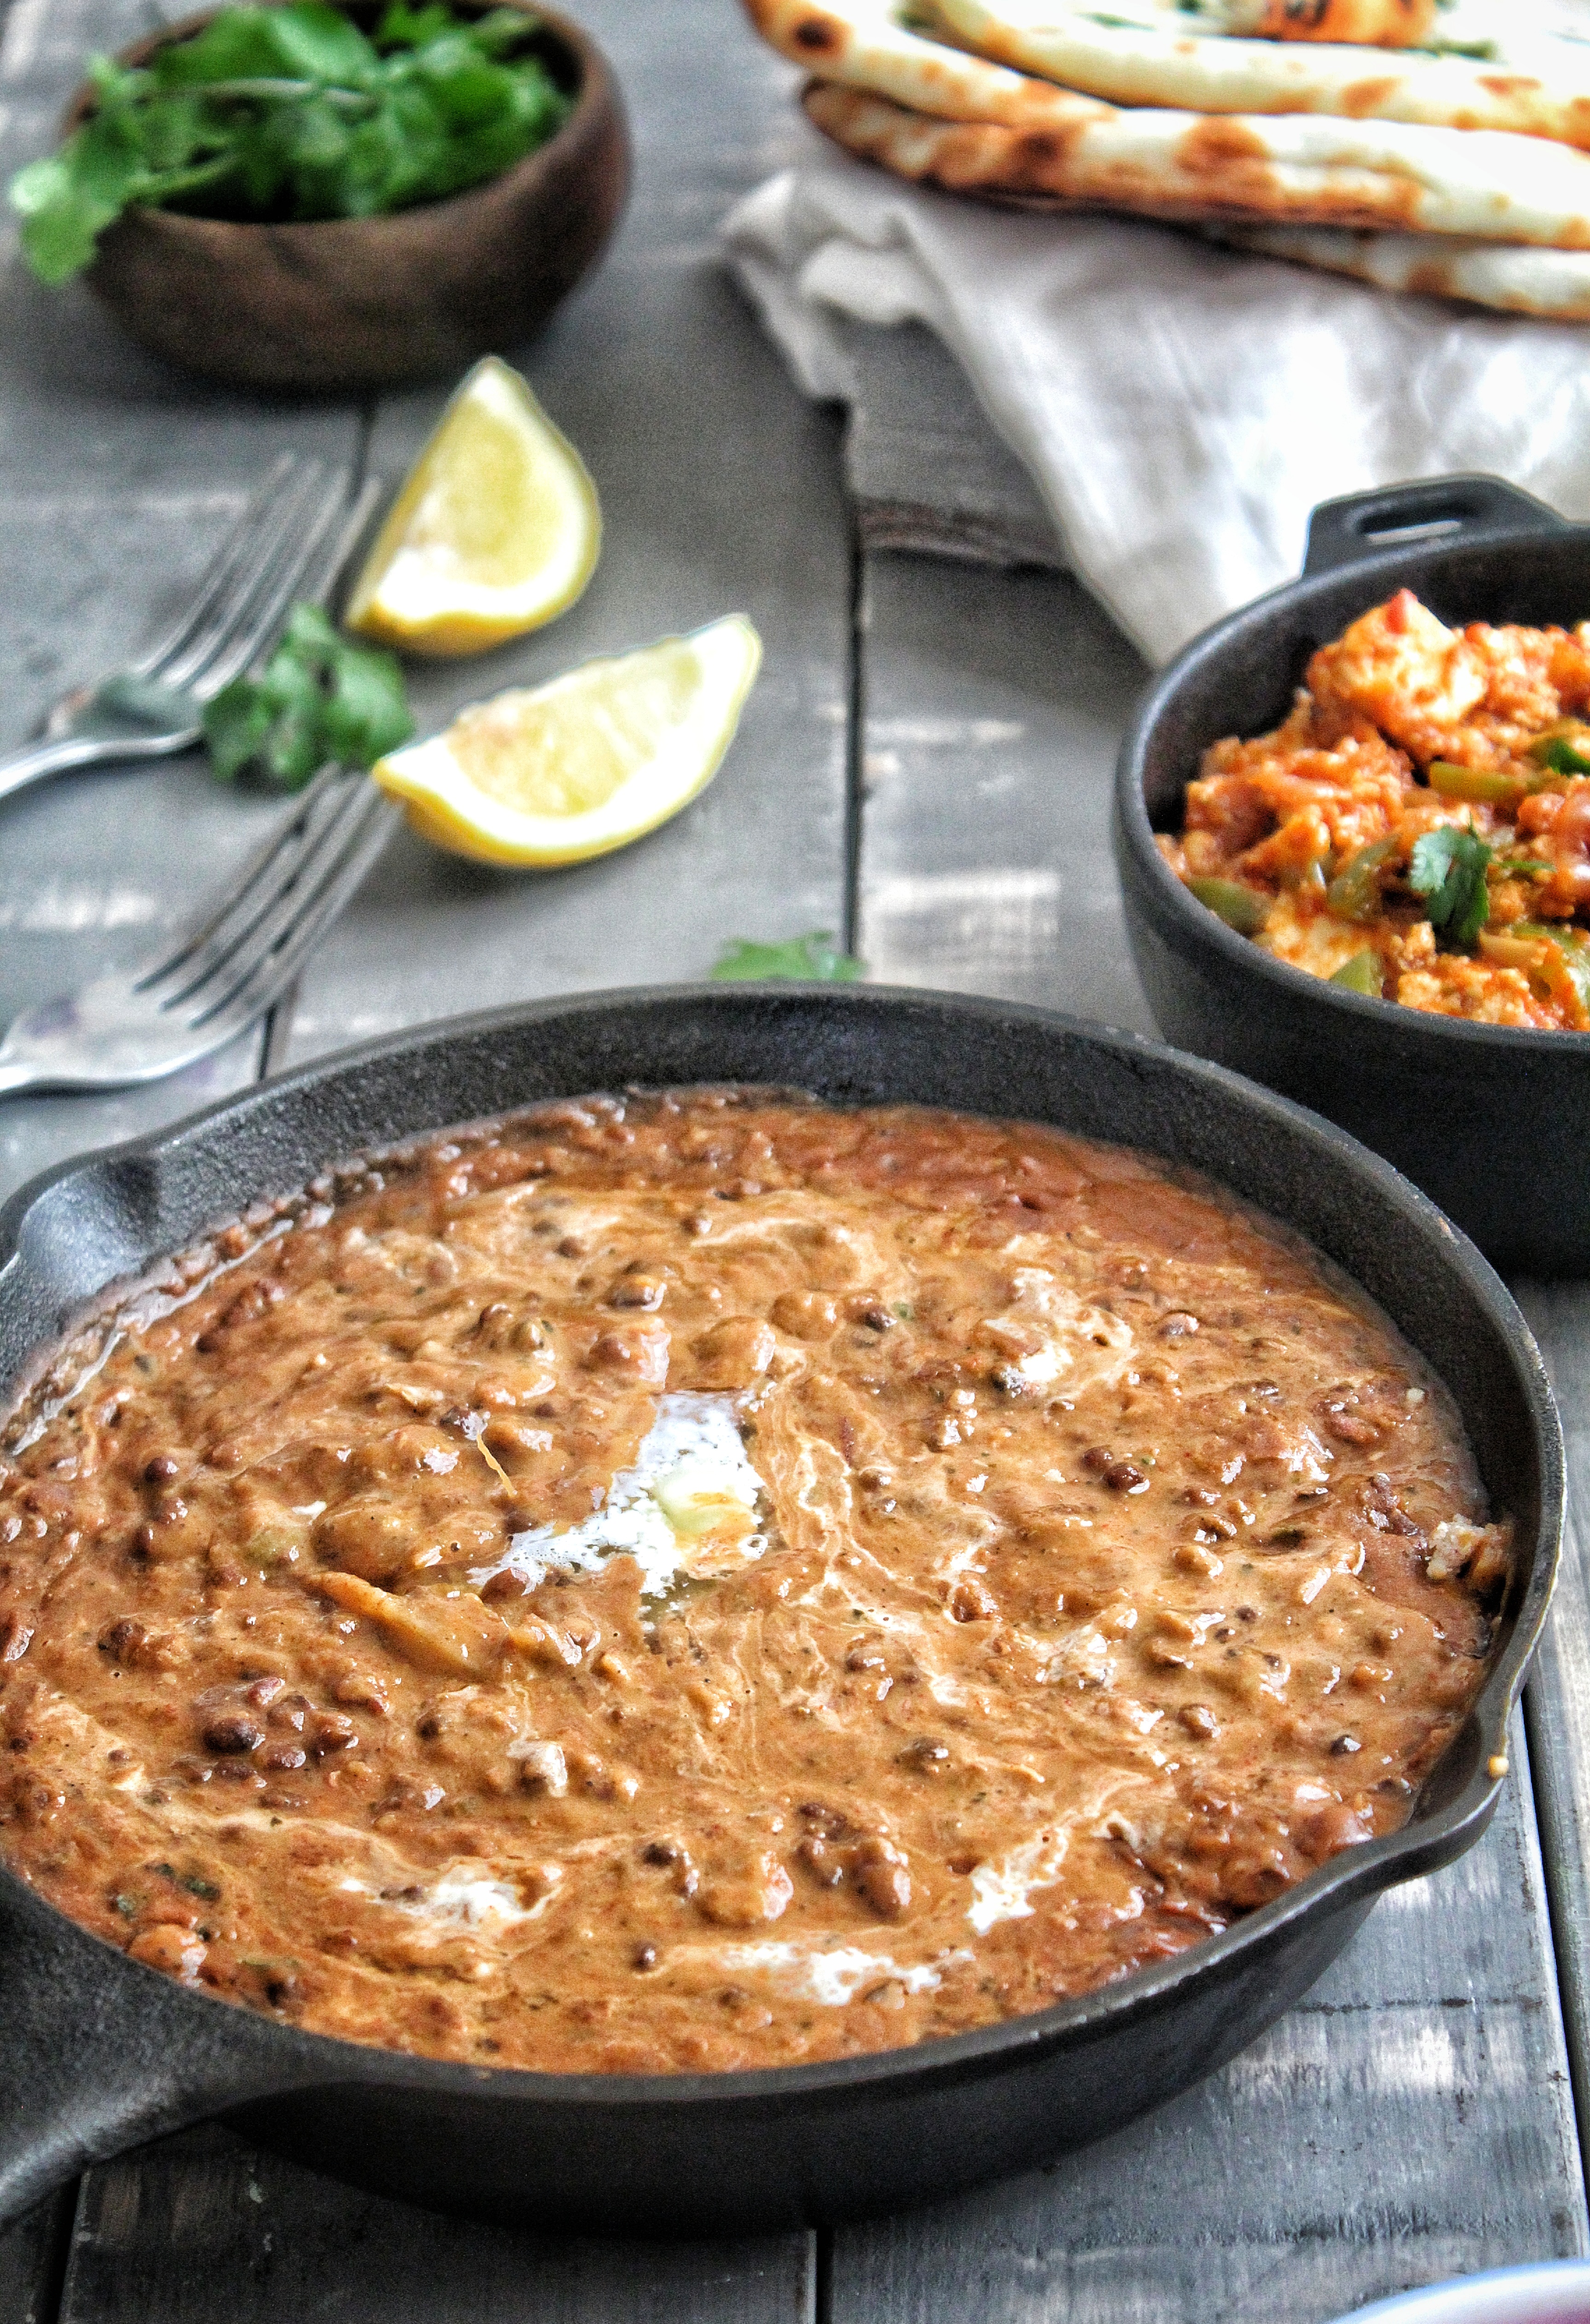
point(712, 1581)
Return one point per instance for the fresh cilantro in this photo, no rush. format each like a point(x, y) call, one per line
point(319, 698)
point(1448, 865)
point(273, 113)
point(1556, 752)
point(1483, 51)
point(811, 959)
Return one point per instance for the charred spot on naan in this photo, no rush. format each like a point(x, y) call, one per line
point(1366, 98)
point(1218, 169)
point(1214, 146)
point(818, 36)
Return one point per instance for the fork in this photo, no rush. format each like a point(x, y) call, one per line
point(223, 973)
point(283, 547)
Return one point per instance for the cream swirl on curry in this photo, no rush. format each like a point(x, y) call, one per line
point(712, 1580)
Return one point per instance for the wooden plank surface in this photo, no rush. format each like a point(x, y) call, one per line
point(1558, 1699)
point(924, 463)
point(720, 491)
point(204, 2229)
point(117, 479)
point(994, 703)
point(1414, 2119)
point(32, 2261)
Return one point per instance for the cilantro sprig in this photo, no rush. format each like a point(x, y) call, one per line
point(1448, 865)
point(319, 698)
point(811, 959)
point(276, 113)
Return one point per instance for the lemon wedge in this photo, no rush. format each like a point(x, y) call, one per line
point(496, 530)
point(556, 773)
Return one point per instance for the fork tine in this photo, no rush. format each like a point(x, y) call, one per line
point(320, 575)
point(257, 605)
point(329, 883)
point(309, 572)
point(258, 916)
point(274, 522)
point(275, 856)
point(218, 573)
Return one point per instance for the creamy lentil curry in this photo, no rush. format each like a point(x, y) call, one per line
point(1419, 827)
point(710, 1581)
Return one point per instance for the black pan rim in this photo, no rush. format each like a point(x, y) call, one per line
point(1206, 929)
point(1356, 1875)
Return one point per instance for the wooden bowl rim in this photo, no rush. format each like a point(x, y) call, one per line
point(597, 93)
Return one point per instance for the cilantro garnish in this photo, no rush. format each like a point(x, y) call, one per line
point(1556, 752)
point(319, 698)
point(811, 959)
point(1448, 866)
point(273, 113)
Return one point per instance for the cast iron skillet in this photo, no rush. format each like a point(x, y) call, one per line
point(100, 2052)
point(1492, 1121)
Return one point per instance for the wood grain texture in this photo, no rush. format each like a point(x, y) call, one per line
point(720, 491)
point(1414, 2117)
point(117, 482)
point(1558, 1699)
point(925, 465)
point(994, 703)
point(32, 2261)
point(203, 2227)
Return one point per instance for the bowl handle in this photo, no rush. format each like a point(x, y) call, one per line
point(1433, 508)
point(100, 2053)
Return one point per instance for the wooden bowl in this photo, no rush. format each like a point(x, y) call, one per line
point(351, 303)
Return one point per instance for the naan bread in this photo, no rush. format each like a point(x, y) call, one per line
point(861, 44)
point(1153, 52)
point(1554, 283)
point(1156, 52)
point(1294, 169)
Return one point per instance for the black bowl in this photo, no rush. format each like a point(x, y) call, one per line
point(1492, 1121)
point(101, 2052)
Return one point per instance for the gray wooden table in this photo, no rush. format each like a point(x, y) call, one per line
point(924, 769)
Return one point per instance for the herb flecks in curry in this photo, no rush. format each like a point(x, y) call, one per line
point(713, 1580)
point(1419, 827)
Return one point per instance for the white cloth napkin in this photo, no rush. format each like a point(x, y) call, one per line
point(1182, 408)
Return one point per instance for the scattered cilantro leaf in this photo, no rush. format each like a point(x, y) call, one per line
point(1448, 866)
point(273, 113)
point(1556, 752)
point(319, 698)
point(811, 959)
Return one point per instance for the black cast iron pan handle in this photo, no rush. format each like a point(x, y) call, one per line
point(1449, 508)
point(89, 2067)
